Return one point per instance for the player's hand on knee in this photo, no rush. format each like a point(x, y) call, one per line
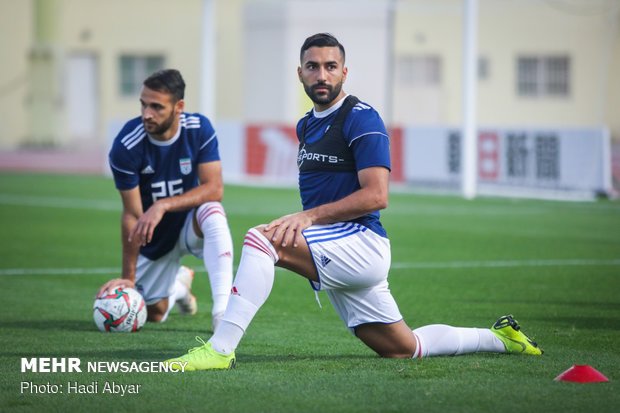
point(288, 229)
point(143, 231)
point(111, 285)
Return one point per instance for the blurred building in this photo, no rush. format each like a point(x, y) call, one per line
point(72, 69)
point(71, 66)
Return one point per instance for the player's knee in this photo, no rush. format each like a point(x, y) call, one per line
point(156, 313)
point(154, 317)
point(212, 204)
point(395, 350)
point(207, 210)
point(256, 238)
point(403, 353)
point(259, 228)
point(210, 218)
point(258, 232)
point(388, 341)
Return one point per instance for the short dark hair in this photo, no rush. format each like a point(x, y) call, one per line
point(168, 81)
point(321, 40)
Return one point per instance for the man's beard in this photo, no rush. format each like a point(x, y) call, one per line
point(324, 99)
point(160, 129)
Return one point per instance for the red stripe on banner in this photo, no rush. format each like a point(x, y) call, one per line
point(396, 154)
point(255, 150)
point(488, 155)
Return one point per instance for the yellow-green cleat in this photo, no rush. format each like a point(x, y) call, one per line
point(508, 330)
point(203, 357)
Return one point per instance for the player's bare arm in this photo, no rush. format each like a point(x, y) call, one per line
point(132, 210)
point(372, 196)
point(211, 188)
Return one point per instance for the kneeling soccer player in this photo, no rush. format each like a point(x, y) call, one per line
point(337, 241)
point(167, 168)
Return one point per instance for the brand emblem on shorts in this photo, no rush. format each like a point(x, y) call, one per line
point(186, 165)
point(325, 260)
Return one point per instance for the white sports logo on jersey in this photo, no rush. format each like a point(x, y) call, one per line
point(318, 157)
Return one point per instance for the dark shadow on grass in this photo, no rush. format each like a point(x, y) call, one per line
point(196, 331)
point(137, 355)
point(294, 358)
point(85, 325)
point(56, 325)
point(147, 355)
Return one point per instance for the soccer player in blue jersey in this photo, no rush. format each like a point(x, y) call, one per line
point(337, 241)
point(167, 168)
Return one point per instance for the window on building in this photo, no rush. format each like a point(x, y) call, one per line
point(543, 76)
point(134, 69)
point(557, 76)
point(419, 70)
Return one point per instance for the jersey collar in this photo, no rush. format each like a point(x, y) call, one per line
point(169, 141)
point(329, 111)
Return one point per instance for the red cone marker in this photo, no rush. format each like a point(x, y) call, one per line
point(582, 374)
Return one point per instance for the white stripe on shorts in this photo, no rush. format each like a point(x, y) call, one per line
point(321, 233)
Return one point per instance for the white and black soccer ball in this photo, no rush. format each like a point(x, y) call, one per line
point(122, 311)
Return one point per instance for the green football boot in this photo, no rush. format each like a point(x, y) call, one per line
point(508, 330)
point(203, 357)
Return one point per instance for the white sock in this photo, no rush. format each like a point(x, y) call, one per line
point(179, 292)
point(253, 284)
point(444, 340)
point(217, 253)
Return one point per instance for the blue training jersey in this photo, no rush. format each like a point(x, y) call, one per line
point(366, 136)
point(163, 169)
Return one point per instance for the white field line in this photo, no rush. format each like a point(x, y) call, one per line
point(395, 209)
point(507, 264)
point(59, 271)
point(397, 266)
point(59, 202)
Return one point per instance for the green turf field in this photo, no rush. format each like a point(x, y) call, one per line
point(555, 266)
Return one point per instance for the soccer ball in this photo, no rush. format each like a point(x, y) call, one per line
point(123, 311)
